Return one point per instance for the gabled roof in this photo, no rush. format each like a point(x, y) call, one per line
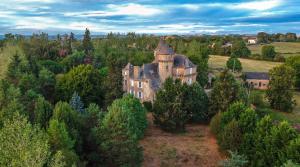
point(164, 48)
point(257, 75)
point(182, 61)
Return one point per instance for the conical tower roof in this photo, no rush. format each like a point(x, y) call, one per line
point(163, 48)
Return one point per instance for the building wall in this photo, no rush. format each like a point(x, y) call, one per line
point(252, 41)
point(165, 66)
point(258, 84)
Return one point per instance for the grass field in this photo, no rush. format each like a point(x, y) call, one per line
point(293, 117)
point(196, 147)
point(285, 48)
point(249, 65)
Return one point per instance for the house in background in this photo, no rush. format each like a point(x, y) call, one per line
point(144, 81)
point(257, 80)
point(252, 41)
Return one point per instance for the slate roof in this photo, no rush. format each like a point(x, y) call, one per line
point(257, 75)
point(164, 48)
point(182, 61)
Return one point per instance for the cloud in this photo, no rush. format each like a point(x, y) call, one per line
point(258, 5)
point(119, 10)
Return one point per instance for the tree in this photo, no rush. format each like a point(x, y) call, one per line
point(42, 112)
point(114, 80)
point(268, 52)
point(14, 66)
point(58, 136)
point(280, 93)
point(231, 137)
point(294, 62)
point(196, 103)
point(22, 144)
point(168, 109)
point(119, 132)
point(239, 49)
point(85, 80)
point(272, 142)
point(87, 43)
point(225, 91)
point(58, 160)
point(199, 55)
point(76, 103)
point(234, 64)
point(263, 37)
point(291, 37)
point(293, 150)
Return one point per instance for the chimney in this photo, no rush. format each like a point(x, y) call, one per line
point(136, 71)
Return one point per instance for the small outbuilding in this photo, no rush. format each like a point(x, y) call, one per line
point(257, 80)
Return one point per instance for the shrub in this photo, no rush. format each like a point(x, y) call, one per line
point(235, 160)
point(256, 98)
point(231, 137)
point(215, 124)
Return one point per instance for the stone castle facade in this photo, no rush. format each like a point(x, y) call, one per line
point(144, 81)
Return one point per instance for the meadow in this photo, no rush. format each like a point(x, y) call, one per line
point(249, 65)
point(285, 48)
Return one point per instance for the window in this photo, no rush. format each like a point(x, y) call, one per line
point(191, 70)
point(125, 83)
point(132, 83)
point(140, 95)
point(140, 84)
point(125, 72)
point(190, 81)
point(131, 91)
point(259, 84)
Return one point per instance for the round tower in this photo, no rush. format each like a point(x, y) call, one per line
point(164, 57)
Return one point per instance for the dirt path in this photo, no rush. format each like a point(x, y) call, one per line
point(195, 148)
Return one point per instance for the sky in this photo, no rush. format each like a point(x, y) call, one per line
point(150, 16)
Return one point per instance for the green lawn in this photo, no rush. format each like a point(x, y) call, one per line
point(249, 65)
point(293, 117)
point(285, 48)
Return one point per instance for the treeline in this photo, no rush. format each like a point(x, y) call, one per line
point(62, 104)
point(266, 38)
point(243, 126)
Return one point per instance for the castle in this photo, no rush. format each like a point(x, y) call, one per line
point(144, 81)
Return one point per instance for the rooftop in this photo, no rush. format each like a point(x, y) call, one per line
point(257, 75)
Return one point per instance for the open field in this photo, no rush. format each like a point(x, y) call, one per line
point(195, 148)
point(285, 48)
point(249, 65)
point(293, 117)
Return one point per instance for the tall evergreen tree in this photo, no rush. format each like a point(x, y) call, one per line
point(76, 103)
point(225, 91)
point(87, 43)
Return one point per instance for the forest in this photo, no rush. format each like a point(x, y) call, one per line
point(62, 103)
